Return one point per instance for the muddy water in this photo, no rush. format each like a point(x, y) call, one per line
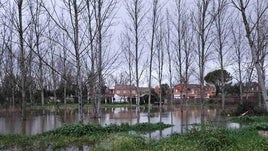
point(39, 121)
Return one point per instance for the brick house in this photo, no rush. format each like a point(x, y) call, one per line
point(192, 90)
point(122, 93)
point(127, 93)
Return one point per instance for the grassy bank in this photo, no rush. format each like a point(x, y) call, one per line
point(77, 135)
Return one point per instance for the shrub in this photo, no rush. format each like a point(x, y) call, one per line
point(210, 138)
point(251, 109)
point(261, 126)
point(126, 142)
point(80, 129)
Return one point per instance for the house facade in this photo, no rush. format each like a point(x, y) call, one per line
point(192, 91)
point(123, 93)
point(127, 93)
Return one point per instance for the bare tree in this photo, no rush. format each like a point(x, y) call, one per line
point(187, 35)
point(22, 55)
point(250, 28)
point(7, 56)
point(4, 35)
point(92, 50)
point(7, 47)
point(183, 45)
point(178, 41)
point(222, 31)
point(29, 62)
point(238, 40)
point(136, 13)
point(103, 12)
point(170, 58)
point(36, 33)
point(65, 68)
point(128, 55)
point(160, 60)
point(51, 47)
point(74, 9)
point(203, 22)
point(261, 38)
point(155, 21)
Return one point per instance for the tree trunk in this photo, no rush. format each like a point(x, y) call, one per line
point(22, 60)
point(154, 20)
point(78, 62)
point(254, 52)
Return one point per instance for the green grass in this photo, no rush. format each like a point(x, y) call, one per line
point(231, 140)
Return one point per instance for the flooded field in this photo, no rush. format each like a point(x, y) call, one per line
point(39, 121)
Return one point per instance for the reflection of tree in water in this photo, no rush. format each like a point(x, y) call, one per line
point(37, 122)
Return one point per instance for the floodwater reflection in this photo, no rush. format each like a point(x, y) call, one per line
point(39, 121)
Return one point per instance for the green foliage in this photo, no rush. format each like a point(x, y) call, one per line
point(214, 78)
point(9, 139)
point(154, 97)
point(211, 138)
point(77, 130)
point(176, 142)
point(149, 127)
point(122, 142)
point(261, 126)
point(80, 129)
point(165, 90)
point(233, 90)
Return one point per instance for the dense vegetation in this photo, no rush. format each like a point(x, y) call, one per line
point(127, 137)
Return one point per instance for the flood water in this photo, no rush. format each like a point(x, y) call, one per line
point(38, 121)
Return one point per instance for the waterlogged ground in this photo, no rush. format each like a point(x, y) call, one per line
point(38, 121)
point(204, 137)
point(126, 128)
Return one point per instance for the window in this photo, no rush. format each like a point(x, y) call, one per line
point(117, 91)
point(133, 92)
point(124, 91)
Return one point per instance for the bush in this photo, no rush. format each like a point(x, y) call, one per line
point(251, 109)
point(259, 111)
point(210, 138)
point(261, 126)
point(80, 129)
point(126, 142)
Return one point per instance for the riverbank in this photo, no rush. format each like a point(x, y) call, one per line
point(125, 137)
